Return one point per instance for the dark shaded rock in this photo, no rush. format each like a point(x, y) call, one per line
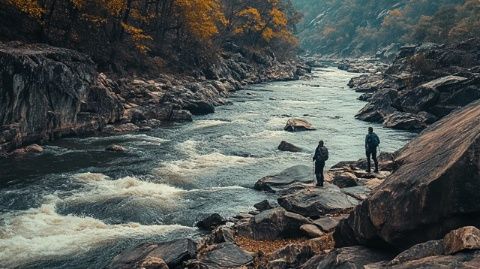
point(298, 173)
point(317, 202)
point(226, 256)
point(200, 108)
point(297, 125)
point(211, 222)
point(276, 223)
point(466, 238)
point(460, 260)
point(405, 121)
point(293, 255)
point(327, 224)
point(173, 253)
point(263, 205)
point(420, 251)
point(419, 99)
point(344, 179)
point(379, 107)
point(285, 146)
point(349, 257)
point(433, 191)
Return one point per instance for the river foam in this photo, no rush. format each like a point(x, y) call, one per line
point(41, 233)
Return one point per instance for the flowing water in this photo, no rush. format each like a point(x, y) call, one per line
point(77, 206)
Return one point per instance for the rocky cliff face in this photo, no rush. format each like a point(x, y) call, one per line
point(43, 91)
point(424, 84)
point(434, 190)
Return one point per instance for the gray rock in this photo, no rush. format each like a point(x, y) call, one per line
point(263, 205)
point(226, 256)
point(328, 224)
point(311, 230)
point(276, 223)
point(299, 173)
point(318, 201)
point(420, 251)
point(350, 257)
point(173, 253)
point(211, 222)
point(115, 148)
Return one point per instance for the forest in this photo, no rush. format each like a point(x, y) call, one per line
point(358, 26)
point(156, 34)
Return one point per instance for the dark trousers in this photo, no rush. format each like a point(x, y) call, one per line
point(319, 165)
point(373, 155)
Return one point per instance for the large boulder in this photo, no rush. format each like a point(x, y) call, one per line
point(350, 257)
point(211, 222)
point(432, 192)
point(460, 260)
point(296, 125)
point(318, 202)
point(298, 173)
point(379, 106)
point(172, 253)
point(225, 256)
point(276, 223)
point(409, 121)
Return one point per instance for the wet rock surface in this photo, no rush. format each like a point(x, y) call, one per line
point(349, 257)
point(282, 180)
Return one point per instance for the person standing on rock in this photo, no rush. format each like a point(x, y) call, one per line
point(371, 143)
point(320, 157)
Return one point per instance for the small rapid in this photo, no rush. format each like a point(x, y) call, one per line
point(77, 205)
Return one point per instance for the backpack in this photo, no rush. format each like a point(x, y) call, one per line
point(373, 141)
point(322, 154)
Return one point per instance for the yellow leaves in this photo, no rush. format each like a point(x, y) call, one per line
point(114, 7)
point(278, 17)
point(30, 7)
point(396, 13)
point(201, 17)
point(138, 36)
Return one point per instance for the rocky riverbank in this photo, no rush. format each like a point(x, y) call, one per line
point(420, 211)
point(424, 84)
point(49, 92)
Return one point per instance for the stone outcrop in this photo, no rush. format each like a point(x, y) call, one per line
point(433, 191)
point(424, 84)
point(285, 146)
point(44, 92)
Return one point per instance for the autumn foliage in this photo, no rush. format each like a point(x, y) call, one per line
point(164, 31)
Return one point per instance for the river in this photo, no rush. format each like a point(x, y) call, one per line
point(77, 205)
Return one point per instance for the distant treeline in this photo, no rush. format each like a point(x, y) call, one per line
point(358, 26)
point(129, 33)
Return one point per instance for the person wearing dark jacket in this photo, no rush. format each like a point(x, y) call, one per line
point(371, 143)
point(320, 157)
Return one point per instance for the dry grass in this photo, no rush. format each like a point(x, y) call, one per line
point(265, 246)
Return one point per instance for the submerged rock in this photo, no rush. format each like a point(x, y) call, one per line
point(433, 191)
point(211, 222)
point(115, 148)
point(297, 125)
point(285, 146)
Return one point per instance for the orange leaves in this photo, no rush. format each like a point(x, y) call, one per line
point(30, 7)
point(201, 17)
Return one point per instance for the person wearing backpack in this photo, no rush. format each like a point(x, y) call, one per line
point(371, 143)
point(320, 157)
